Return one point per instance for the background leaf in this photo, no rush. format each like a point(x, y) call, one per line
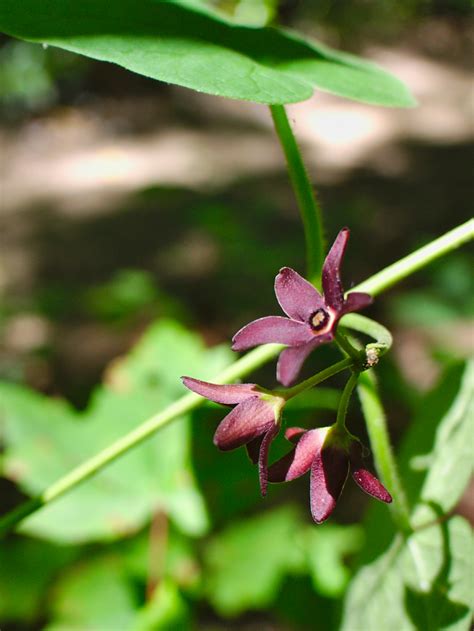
point(246, 565)
point(326, 548)
point(165, 610)
point(26, 569)
point(425, 581)
point(83, 599)
point(46, 438)
point(448, 466)
point(195, 48)
point(425, 447)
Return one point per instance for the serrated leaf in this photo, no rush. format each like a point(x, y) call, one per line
point(45, 439)
point(247, 562)
point(194, 47)
point(424, 582)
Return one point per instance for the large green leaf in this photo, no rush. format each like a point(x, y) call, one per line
point(45, 438)
point(424, 581)
point(446, 465)
point(185, 44)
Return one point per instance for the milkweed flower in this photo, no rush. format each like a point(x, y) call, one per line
point(312, 318)
point(254, 422)
point(329, 454)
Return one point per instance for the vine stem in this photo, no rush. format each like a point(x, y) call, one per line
point(289, 393)
point(344, 402)
point(252, 360)
point(90, 467)
point(309, 208)
point(384, 458)
point(419, 258)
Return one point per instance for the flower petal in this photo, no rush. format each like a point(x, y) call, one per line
point(364, 478)
point(253, 448)
point(331, 278)
point(356, 301)
point(271, 329)
point(328, 475)
point(292, 359)
point(248, 420)
point(299, 460)
point(297, 297)
point(293, 434)
point(225, 394)
point(369, 483)
point(263, 458)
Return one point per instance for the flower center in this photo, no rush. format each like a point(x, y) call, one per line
point(319, 320)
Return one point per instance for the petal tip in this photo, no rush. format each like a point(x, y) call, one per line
point(371, 485)
point(293, 434)
point(320, 516)
point(188, 382)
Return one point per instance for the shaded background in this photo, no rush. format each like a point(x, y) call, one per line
point(126, 200)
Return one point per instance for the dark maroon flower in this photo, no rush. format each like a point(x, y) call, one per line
point(254, 422)
point(312, 319)
point(329, 454)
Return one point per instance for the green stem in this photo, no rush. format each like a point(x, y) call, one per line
point(384, 458)
point(90, 467)
point(346, 346)
point(375, 330)
point(344, 402)
point(418, 259)
point(308, 205)
point(240, 368)
point(289, 393)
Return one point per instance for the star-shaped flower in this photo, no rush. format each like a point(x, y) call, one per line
point(254, 422)
point(312, 319)
point(329, 454)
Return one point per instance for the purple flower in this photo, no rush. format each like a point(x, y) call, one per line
point(312, 318)
point(329, 454)
point(254, 422)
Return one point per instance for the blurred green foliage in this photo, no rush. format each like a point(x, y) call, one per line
point(175, 535)
point(30, 75)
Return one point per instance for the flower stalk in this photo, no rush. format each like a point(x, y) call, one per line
point(340, 424)
point(309, 208)
point(384, 458)
point(289, 393)
point(406, 266)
